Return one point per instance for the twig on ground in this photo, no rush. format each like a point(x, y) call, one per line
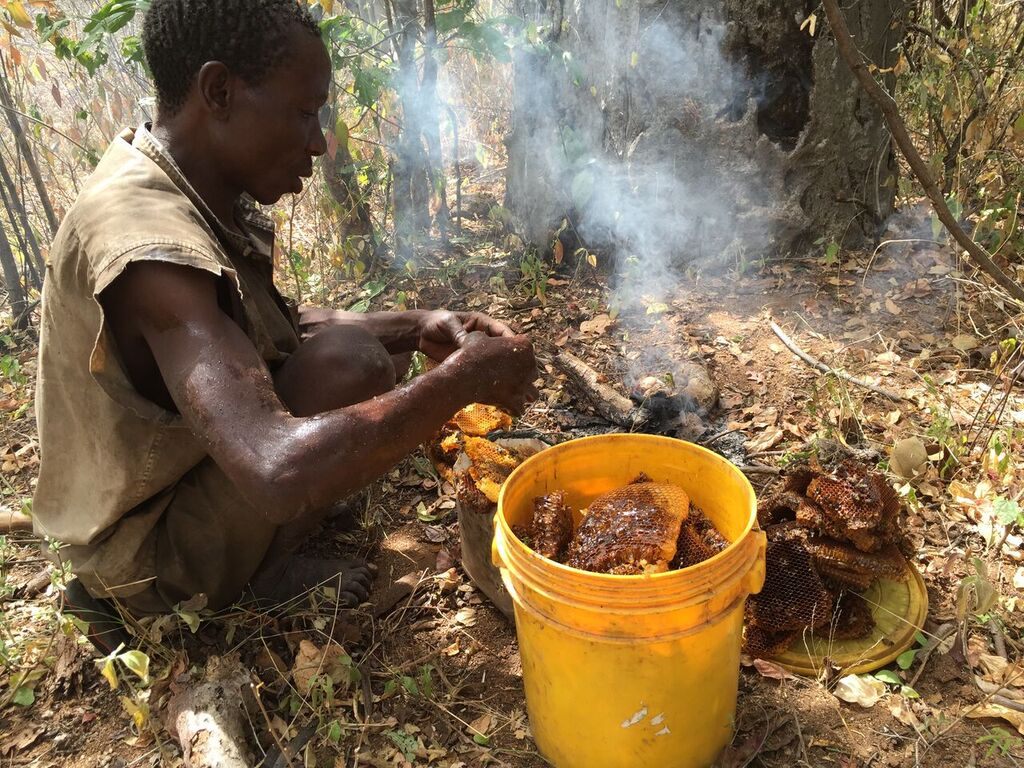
point(1003, 701)
point(757, 469)
point(997, 638)
point(938, 636)
point(849, 53)
point(825, 368)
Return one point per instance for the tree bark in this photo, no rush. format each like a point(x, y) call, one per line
point(209, 717)
point(411, 187)
point(6, 106)
point(700, 131)
point(15, 206)
point(12, 282)
point(853, 59)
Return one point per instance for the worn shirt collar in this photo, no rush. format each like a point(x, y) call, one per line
point(258, 242)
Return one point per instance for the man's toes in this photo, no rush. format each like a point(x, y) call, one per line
point(350, 600)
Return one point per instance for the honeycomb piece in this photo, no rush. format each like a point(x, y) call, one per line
point(479, 420)
point(552, 525)
point(698, 541)
point(471, 498)
point(855, 506)
point(760, 643)
point(793, 596)
point(778, 508)
point(631, 530)
point(853, 618)
point(490, 465)
point(886, 562)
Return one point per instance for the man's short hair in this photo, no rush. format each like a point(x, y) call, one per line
point(249, 36)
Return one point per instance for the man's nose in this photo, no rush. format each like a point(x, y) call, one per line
point(318, 143)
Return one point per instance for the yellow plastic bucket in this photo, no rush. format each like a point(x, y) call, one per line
point(630, 671)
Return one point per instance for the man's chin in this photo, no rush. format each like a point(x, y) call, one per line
point(268, 198)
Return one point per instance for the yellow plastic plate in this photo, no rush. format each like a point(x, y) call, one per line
point(899, 608)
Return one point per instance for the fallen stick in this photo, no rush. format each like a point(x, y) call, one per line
point(849, 53)
point(11, 521)
point(606, 401)
point(209, 716)
point(824, 368)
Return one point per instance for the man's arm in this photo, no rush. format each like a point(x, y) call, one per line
point(429, 331)
point(225, 393)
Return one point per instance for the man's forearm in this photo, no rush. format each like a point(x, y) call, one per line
point(396, 331)
point(300, 465)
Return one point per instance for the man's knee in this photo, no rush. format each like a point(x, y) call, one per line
point(339, 366)
point(348, 350)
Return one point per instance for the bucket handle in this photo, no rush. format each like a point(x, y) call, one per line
point(496, 559)
point(756, 574)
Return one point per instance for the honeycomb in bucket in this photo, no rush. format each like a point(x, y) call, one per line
point(832, 532)
point(698, 541)
point(643, 527)
point(631, 530)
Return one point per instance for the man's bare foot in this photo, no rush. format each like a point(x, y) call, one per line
point(350, 578)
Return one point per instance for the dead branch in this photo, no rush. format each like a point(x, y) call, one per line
point(609, 403)
point(11, 521)
point(824, 368)
point(849, 53)
point(208, 716)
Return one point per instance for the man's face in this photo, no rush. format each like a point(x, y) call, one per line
point(272, 133)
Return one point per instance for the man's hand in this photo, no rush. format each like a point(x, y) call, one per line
point(443, 332)
point(500, 370)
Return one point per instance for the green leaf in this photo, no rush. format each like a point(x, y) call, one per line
point(410, 685)
point(109, 671)
point(906, 659)
point(407, 743)
point(1007, 511)
point(449, 20)
point(889, 677)
point(831, 254)
point(191, 618)
point(137, 662)
point(24, 696)
point(334, 732)
point(909, 692)
point(482, 740)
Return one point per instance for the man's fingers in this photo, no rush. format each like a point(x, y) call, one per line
point(477, 321)
point(453, 325)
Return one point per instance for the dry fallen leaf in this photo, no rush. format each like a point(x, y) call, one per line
point(902, 711)
point(312, 662)
point(480, 726)
point(772, 671)
point(860, 689)
point(909, 457)
point(1012, 716)
point(765, 441)
point(466, 617)
point(597, 326)
point(964, 342)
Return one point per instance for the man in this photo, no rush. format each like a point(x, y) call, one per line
point(191, 438)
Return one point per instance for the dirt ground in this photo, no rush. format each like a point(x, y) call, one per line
point(431, 673)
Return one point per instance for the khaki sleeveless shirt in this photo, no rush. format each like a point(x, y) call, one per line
point(108, 454)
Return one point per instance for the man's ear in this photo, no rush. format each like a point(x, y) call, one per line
point(216, 88)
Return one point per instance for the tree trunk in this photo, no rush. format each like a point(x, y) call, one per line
point(7, 107)
point(12, 282)
point(706, 131)
point(411, 166)
point(15, 207)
